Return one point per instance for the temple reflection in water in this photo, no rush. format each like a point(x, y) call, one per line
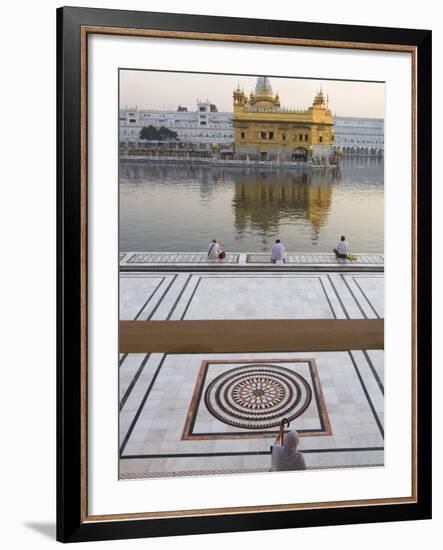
point(262, 200)
point(171, 207)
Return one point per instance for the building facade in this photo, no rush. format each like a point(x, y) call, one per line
point(263, 130)
point(359, 136)
point(205, 125)
point(258, 128)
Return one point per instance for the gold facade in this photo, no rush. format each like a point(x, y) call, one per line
point(264, 130)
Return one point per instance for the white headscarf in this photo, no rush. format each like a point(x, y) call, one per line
point(286, 456)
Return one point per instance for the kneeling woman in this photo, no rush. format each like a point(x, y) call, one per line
point(285, 455)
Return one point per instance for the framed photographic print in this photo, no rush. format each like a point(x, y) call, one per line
point(244, 274)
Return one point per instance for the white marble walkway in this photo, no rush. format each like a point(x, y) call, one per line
point(342, 424)
point(256, 295)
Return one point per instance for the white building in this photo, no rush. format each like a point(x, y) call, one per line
point(204, 125)
point(359, 136)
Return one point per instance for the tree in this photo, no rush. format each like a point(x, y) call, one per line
point(157, 134)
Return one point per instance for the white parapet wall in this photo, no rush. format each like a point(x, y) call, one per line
point(293, 260)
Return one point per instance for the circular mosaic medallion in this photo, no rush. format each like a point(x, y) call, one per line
point(257, 396)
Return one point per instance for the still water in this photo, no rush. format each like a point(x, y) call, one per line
point(182, 207)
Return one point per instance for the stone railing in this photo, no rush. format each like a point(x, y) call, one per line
point(128, 259)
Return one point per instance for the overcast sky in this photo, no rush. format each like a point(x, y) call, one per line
point(167, 90)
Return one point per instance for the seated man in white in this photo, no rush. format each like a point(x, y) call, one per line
point(278, 252)
point(342, 249)
point(214, 250)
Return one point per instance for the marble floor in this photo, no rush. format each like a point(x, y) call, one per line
point(194, 414)
point(255, 295)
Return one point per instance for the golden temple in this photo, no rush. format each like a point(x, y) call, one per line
point(263, 130)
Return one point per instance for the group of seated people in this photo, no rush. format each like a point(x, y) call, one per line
point(278, 251)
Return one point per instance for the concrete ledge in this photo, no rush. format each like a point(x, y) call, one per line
point(204, 161)
point(250, 261)
point(317, 259)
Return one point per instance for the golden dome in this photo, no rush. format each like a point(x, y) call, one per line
point(319, 100)
point(263, 86)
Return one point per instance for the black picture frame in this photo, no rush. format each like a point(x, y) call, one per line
point(72, 524)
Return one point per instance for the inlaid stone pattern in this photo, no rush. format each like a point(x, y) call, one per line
point(257, 396)
point(319, 258)
point(165, 427)
point(179, 258)
point(194, 473)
